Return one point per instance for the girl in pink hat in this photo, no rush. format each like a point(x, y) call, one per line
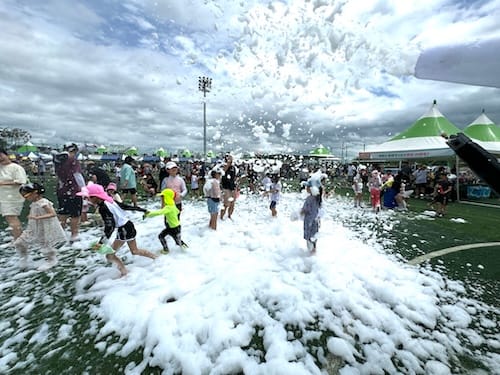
point(111, 190)
point(114, 216)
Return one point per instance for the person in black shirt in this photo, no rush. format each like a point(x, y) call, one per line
point(97, 175)
point(442, 193)
point(229, 185)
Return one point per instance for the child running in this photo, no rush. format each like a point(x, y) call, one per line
point(311, 211)
point(274, 194)
point(172, 222)
point(44, 228)
point(114, 216)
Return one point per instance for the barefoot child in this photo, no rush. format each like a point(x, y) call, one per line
point(44, 228)
point(274, 193)
point(114, 216)
point(311, 213)
point(172, 223)
point(375, 183)
point(211, 190)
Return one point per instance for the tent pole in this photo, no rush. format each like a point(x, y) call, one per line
point(457, 164)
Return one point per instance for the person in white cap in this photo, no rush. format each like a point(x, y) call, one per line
point(176, 183)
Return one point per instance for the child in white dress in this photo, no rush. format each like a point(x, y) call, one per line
point(44, 228)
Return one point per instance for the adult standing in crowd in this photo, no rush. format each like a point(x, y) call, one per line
point(12, 176)
point(128, 180)
point(176, 183)
point(69, 182)
point(420, 176)
point(41, 169)
point(229, 185)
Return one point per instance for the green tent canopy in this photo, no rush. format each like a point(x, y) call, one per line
point(132, 151)
point(186, 154)
point(101, 150)
point(161, 152)
point(422, 140)
point(210, 154)
point(431, 124)
point(320, 151)
point(483, 129)
point(27, 147)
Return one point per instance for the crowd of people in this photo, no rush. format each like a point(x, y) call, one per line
point(79, 187)
point(391, 191)
point(84, 185)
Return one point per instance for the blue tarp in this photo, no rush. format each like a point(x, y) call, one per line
point(110, 157)
point(151, 159)
point(478, 192)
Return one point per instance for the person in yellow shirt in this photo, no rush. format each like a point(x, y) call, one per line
point(171, 219)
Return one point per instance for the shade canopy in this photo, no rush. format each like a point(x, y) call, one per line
point(320, 151)
point(483, 129)
point(431, 124)
point(186, 154)
point(161, 152)
point(101, 149)
point(485, 133)
point(27, 148)
point(132, 151)
point(150, 159)
point(424, 139)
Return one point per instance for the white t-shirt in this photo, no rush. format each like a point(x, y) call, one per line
point(9, 172)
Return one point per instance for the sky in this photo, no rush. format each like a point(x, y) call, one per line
point(194, 311)
point(287, 76)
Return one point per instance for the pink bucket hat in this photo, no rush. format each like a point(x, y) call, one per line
point(95, 190)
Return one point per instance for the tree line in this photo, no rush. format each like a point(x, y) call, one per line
point(12, 137)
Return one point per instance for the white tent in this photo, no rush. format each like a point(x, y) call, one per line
point(485, 133)
point(423, 140)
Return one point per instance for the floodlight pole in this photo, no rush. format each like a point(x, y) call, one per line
point(204, 85)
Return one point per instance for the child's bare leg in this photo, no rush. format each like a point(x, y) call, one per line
point(22, 249)
point(213, 221)
point(118, 262)
point(132, 245)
